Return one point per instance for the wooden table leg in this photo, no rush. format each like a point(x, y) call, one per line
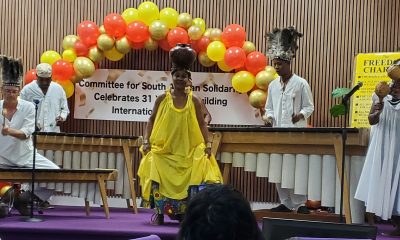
point(339, 160)
point(129, 167)
point(103, 194)
point(87, 207)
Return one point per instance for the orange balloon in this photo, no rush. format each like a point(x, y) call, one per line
point(30, 75)
point(235, 57)
point(233, 35)
point(137, 32)
point(177, 35)
point(255, 62)
point(88, 33)
point(114, 25)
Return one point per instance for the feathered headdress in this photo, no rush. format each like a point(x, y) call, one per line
point(11, 71)
point(282, 44)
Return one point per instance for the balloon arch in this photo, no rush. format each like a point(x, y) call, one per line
point(147, 27)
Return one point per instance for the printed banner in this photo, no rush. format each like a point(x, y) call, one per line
point(129, 95)
point(370, 69)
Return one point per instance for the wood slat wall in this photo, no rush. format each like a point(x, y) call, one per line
point(334, 32)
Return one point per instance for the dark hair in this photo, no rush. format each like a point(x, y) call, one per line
point(219, 212)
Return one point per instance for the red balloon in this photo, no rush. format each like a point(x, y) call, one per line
point(256, 62)
point(114, 25)
point(138, 45)
point(233, 35)
point(235, 57)
point(177, 35)
point(137, 32)
point(62, 70)
point(203, 43)
point(163, 43)
point(88, 33)
point(80, 48)
point(30, 75)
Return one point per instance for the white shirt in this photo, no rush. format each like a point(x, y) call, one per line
point(52, 105)
point(296, 98)
point(14, 151)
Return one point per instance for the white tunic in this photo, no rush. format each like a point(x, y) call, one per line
point(379, 182)
point(14, 151)
point(296, 98)
point(52, 105)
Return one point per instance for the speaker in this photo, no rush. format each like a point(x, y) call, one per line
point(281, 229)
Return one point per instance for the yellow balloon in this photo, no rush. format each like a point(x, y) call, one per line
point(194, 32)
point(50, 57)
point(215, 34)
point(122, 45)
point(68, 87)
point(130, 15)
point(95, 54)
point(184, 20)
point(205, 60)
point(199, 22)
point(69, 41)
point(207, 32)
point(169, 16)
point(222, 65)
point(105, 42)
point(263, 79)
point(148, 12)
point(248, 47)
point(257, 98)
point(243, 81)
point(69, 55)
point(158, 30)
point(151, 45)
point(270, 69)
point(113, 55)
point(216, 51)
point(84, 66)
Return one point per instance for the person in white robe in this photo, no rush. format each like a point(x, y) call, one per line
point(289, 103)
point(50, 97)
point(379, 185)
point(17, 125)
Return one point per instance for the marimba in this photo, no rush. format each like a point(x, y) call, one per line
point(300, 158)
point(89, 151)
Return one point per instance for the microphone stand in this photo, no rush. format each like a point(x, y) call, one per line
point(344, 138)
point(31, 218)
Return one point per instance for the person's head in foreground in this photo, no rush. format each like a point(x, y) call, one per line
point(219, 212)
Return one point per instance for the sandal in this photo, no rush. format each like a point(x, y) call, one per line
point(157, 219)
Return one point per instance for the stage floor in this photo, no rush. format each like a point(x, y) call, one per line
point(64, 222)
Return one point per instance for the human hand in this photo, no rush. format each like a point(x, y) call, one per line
point(59, 120)
point(5, 131)
point(297, 117)
point(378, 107)
point(146, 147)
point(268, 121)
point(207, 151)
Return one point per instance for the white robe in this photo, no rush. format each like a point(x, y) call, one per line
point(379, 182)
point(52, 105)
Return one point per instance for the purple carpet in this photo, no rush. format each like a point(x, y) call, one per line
point(71, 223)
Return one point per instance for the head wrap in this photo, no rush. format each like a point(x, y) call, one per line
point(282, 43)
point(182, 57)
point(11, 71)
point(43, 70)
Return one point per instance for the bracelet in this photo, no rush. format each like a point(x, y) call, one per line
point(209, 144)
point(146, 141)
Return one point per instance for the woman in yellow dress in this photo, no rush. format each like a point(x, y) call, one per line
point(177, 152)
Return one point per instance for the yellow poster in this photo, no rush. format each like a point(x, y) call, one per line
point(370, 68)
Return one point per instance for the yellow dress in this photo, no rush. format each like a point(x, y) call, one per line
point(177, 159)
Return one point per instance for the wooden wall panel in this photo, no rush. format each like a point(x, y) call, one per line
point(334, 32)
